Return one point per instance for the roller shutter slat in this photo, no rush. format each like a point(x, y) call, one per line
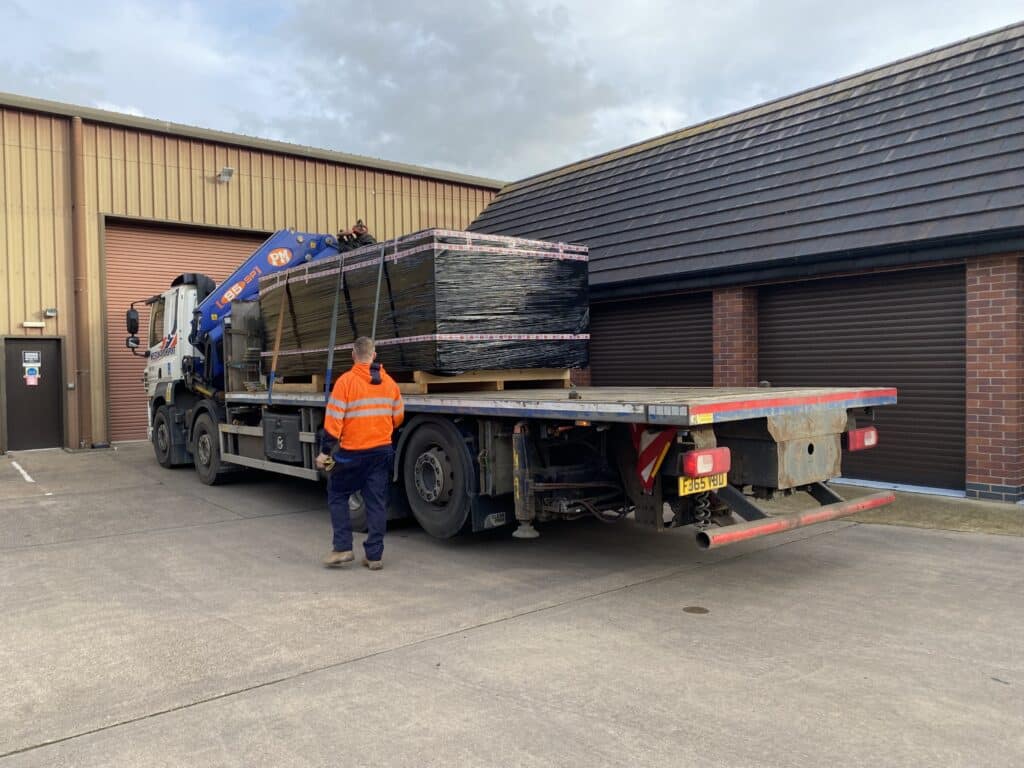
point(901, 329)
point(140, 262)
point(661, 342)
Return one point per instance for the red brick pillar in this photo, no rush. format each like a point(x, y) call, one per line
point(995, 436)
point(735, 337)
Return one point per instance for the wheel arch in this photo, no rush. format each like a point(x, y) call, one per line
point(201, 406)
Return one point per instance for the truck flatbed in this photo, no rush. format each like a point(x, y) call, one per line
point(674, 406)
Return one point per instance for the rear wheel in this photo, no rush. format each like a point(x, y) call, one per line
point(206, 450)
point(162, 440)
point(435, 466)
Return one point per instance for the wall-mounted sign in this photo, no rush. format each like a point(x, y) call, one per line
point(32, 376)
point(31, 358)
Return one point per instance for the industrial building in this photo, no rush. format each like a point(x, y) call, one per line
point(99, 209)
point(868, 231)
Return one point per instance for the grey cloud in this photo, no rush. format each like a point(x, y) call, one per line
point(502, 88)
point(476, 87)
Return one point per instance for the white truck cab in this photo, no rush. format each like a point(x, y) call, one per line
point(168, 352)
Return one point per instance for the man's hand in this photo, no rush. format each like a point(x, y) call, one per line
point(321, 461)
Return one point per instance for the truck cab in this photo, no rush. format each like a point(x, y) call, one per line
point(184, 374)
point(170, 355)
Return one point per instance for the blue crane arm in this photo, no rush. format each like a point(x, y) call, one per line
point(284, 249)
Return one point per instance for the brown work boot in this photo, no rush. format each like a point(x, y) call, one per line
point(335, 558)
point(373, 565)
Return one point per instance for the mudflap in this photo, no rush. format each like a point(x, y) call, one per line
point(180, 454)
point(648, 506)
point(488, 513)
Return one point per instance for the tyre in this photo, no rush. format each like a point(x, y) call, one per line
point(162, 438)
point(357, 512)
point(206, 450)
point(435, 467)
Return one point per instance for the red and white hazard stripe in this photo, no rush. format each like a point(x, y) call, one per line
point(651, 446)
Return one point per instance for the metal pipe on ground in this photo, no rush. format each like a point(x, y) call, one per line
point(732, 534)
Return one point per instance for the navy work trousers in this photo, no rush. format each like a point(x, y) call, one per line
point(368, 471)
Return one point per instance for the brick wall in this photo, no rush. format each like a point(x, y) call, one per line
point(580, 377)
point(995, 437)
point(735, 337)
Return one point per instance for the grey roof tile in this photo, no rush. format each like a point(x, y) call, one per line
point(927, 148)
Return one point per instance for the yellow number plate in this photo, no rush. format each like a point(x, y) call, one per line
point(689, 485)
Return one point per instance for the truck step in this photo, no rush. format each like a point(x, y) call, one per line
point(424, 383)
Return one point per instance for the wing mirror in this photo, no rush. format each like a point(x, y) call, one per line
point(131, 318)
point(132, 342)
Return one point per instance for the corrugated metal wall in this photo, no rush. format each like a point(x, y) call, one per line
point(141, 261)
point(164, 178)
point(35, 223)
point(150, 176)
point(168, 178)
point(898, 329)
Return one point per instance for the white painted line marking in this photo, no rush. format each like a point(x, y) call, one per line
point(26, 475)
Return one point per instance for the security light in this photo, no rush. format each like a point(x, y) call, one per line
point(225, 174)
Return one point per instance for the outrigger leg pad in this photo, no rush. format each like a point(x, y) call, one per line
point(525, 531)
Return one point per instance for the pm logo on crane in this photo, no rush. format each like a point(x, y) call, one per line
point(279, 257)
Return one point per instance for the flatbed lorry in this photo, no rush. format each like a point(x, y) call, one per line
point(479, 460)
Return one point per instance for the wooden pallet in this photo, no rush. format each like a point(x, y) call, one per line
point(302, 384)
point(487, 381)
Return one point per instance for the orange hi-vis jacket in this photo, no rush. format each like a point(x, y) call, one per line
point(360, 414)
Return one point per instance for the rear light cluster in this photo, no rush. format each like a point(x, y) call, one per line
point(709, 461)
point(860, 439)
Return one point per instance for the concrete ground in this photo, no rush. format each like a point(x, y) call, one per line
point(146, 619)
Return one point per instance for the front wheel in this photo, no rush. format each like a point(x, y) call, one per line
point(162, 440)
point(206, 450)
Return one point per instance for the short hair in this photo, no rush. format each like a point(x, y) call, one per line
point(363, 348)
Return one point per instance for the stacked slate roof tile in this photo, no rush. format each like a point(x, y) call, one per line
point(447, 302)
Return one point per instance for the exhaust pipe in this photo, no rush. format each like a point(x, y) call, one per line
point(732, 534)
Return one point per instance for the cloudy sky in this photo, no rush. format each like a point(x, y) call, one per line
point(499, 88)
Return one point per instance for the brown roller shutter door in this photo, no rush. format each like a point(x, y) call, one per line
point(901, 329)
point(140, 262)
point(652, 342)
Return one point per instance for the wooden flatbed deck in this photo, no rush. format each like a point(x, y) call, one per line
point(679, 406)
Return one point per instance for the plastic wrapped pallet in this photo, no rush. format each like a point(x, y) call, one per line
point(449, 302)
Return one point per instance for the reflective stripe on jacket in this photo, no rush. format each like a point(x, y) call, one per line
point(362, 415)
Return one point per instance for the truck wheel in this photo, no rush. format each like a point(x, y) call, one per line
point(434, 472)
point(206, 450)
point(357, 512)
point(162, 440)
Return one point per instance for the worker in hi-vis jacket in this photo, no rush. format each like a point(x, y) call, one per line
point(364, 408)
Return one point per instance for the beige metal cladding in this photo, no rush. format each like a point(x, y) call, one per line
point(35, 224)
point(35, 237)
point(145, 175)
